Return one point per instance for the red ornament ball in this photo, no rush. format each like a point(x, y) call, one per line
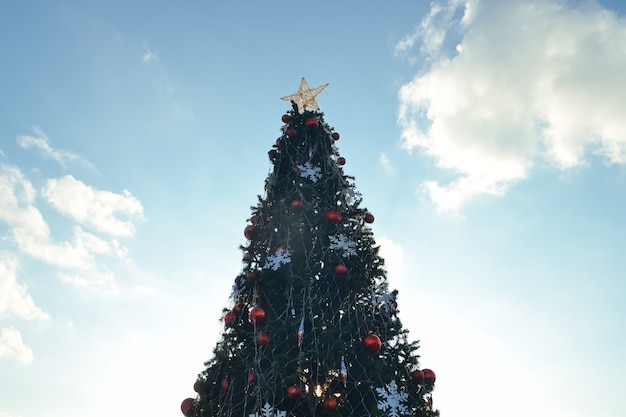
point(341, 161)
point(229, 318)
point(331, 404)
point(369, 218)
point(249, 232)
point(257, 315)
point(263, 339)
point(333, 216)
point(312, 122)
point(292, 132)
point(417, 376)
point(372, 343)
point(429, 376)
point(294, 392)
point(250, 377)
point(238, 308)
point(296, 205)
point(286, 118)
point(335, 136)
point(197, 385)
point(186, 405)
point(340, 270)
point(252, 276)
point(225, 385)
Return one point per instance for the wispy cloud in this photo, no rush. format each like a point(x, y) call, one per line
point(14, 297)
point(149, 55)
point(524, 82)
point(95, 208)
point(41, 142)
point(386, 163)
point(12, 345)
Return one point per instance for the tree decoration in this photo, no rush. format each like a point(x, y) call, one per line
point(310, 172)
point(369, 218)
point(197, 385)
point(372, 343)
point(417, 376)
point(344, 372)
point(294, 392)
point(340, 270)
point(342, 244)
point(301, 332)
point(251, 377)
point(331, 404)
point(286, 118)
point(392, 401)
point(305, 96)
point(335, 136)
point(333, 216)
point(341, 161)
point(225, 385)
point(312, 122)
point(249, 232)
point(280, 258)
point(229, 318)
point(292, 132)
point(296, 205)
point(257, 315)
point(186, 405)
point(269, 411)
point(264, 338)
point(429, 376)
point(252, 276)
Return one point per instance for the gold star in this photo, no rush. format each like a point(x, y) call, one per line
point(305, 97)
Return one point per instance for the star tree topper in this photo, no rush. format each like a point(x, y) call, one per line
point(305, 96)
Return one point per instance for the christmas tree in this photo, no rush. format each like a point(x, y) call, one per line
point(311, 327)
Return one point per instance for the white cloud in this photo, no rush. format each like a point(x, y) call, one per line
point(78, 258)
point(525, 82)
point(393, 254)
point(14, 298)
point(386, 163)
point(95, 208)
point(12, 346)
point(149, 56)
point(41, 142)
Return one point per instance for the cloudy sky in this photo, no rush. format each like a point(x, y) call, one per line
point(488, 137)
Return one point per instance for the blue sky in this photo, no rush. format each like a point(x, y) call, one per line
point(487, 137)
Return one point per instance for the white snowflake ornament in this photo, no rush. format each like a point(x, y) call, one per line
point(310, 172)
point(269, 411)
point(342, 244)
point(280, 258)
point(391, 401)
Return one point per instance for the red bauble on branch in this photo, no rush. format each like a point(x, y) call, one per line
point(341, 161)
point(257, 315)
point(296, 205)
point(286, 118)
point(369, 218)
point(250, 232)
point(335, 136)
point(292, 132)
point(294, 392)
point(197, 385)
point(372, 343)
point(186, 405)
point(252, 276)
point(429, 376)
point(225, 385)
point(417, 376)
point(229, 318)
point(250, 377)
point(263, 339)
point(340, 270)
point(312, 122)
point(333, 216)
point(331, 404)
